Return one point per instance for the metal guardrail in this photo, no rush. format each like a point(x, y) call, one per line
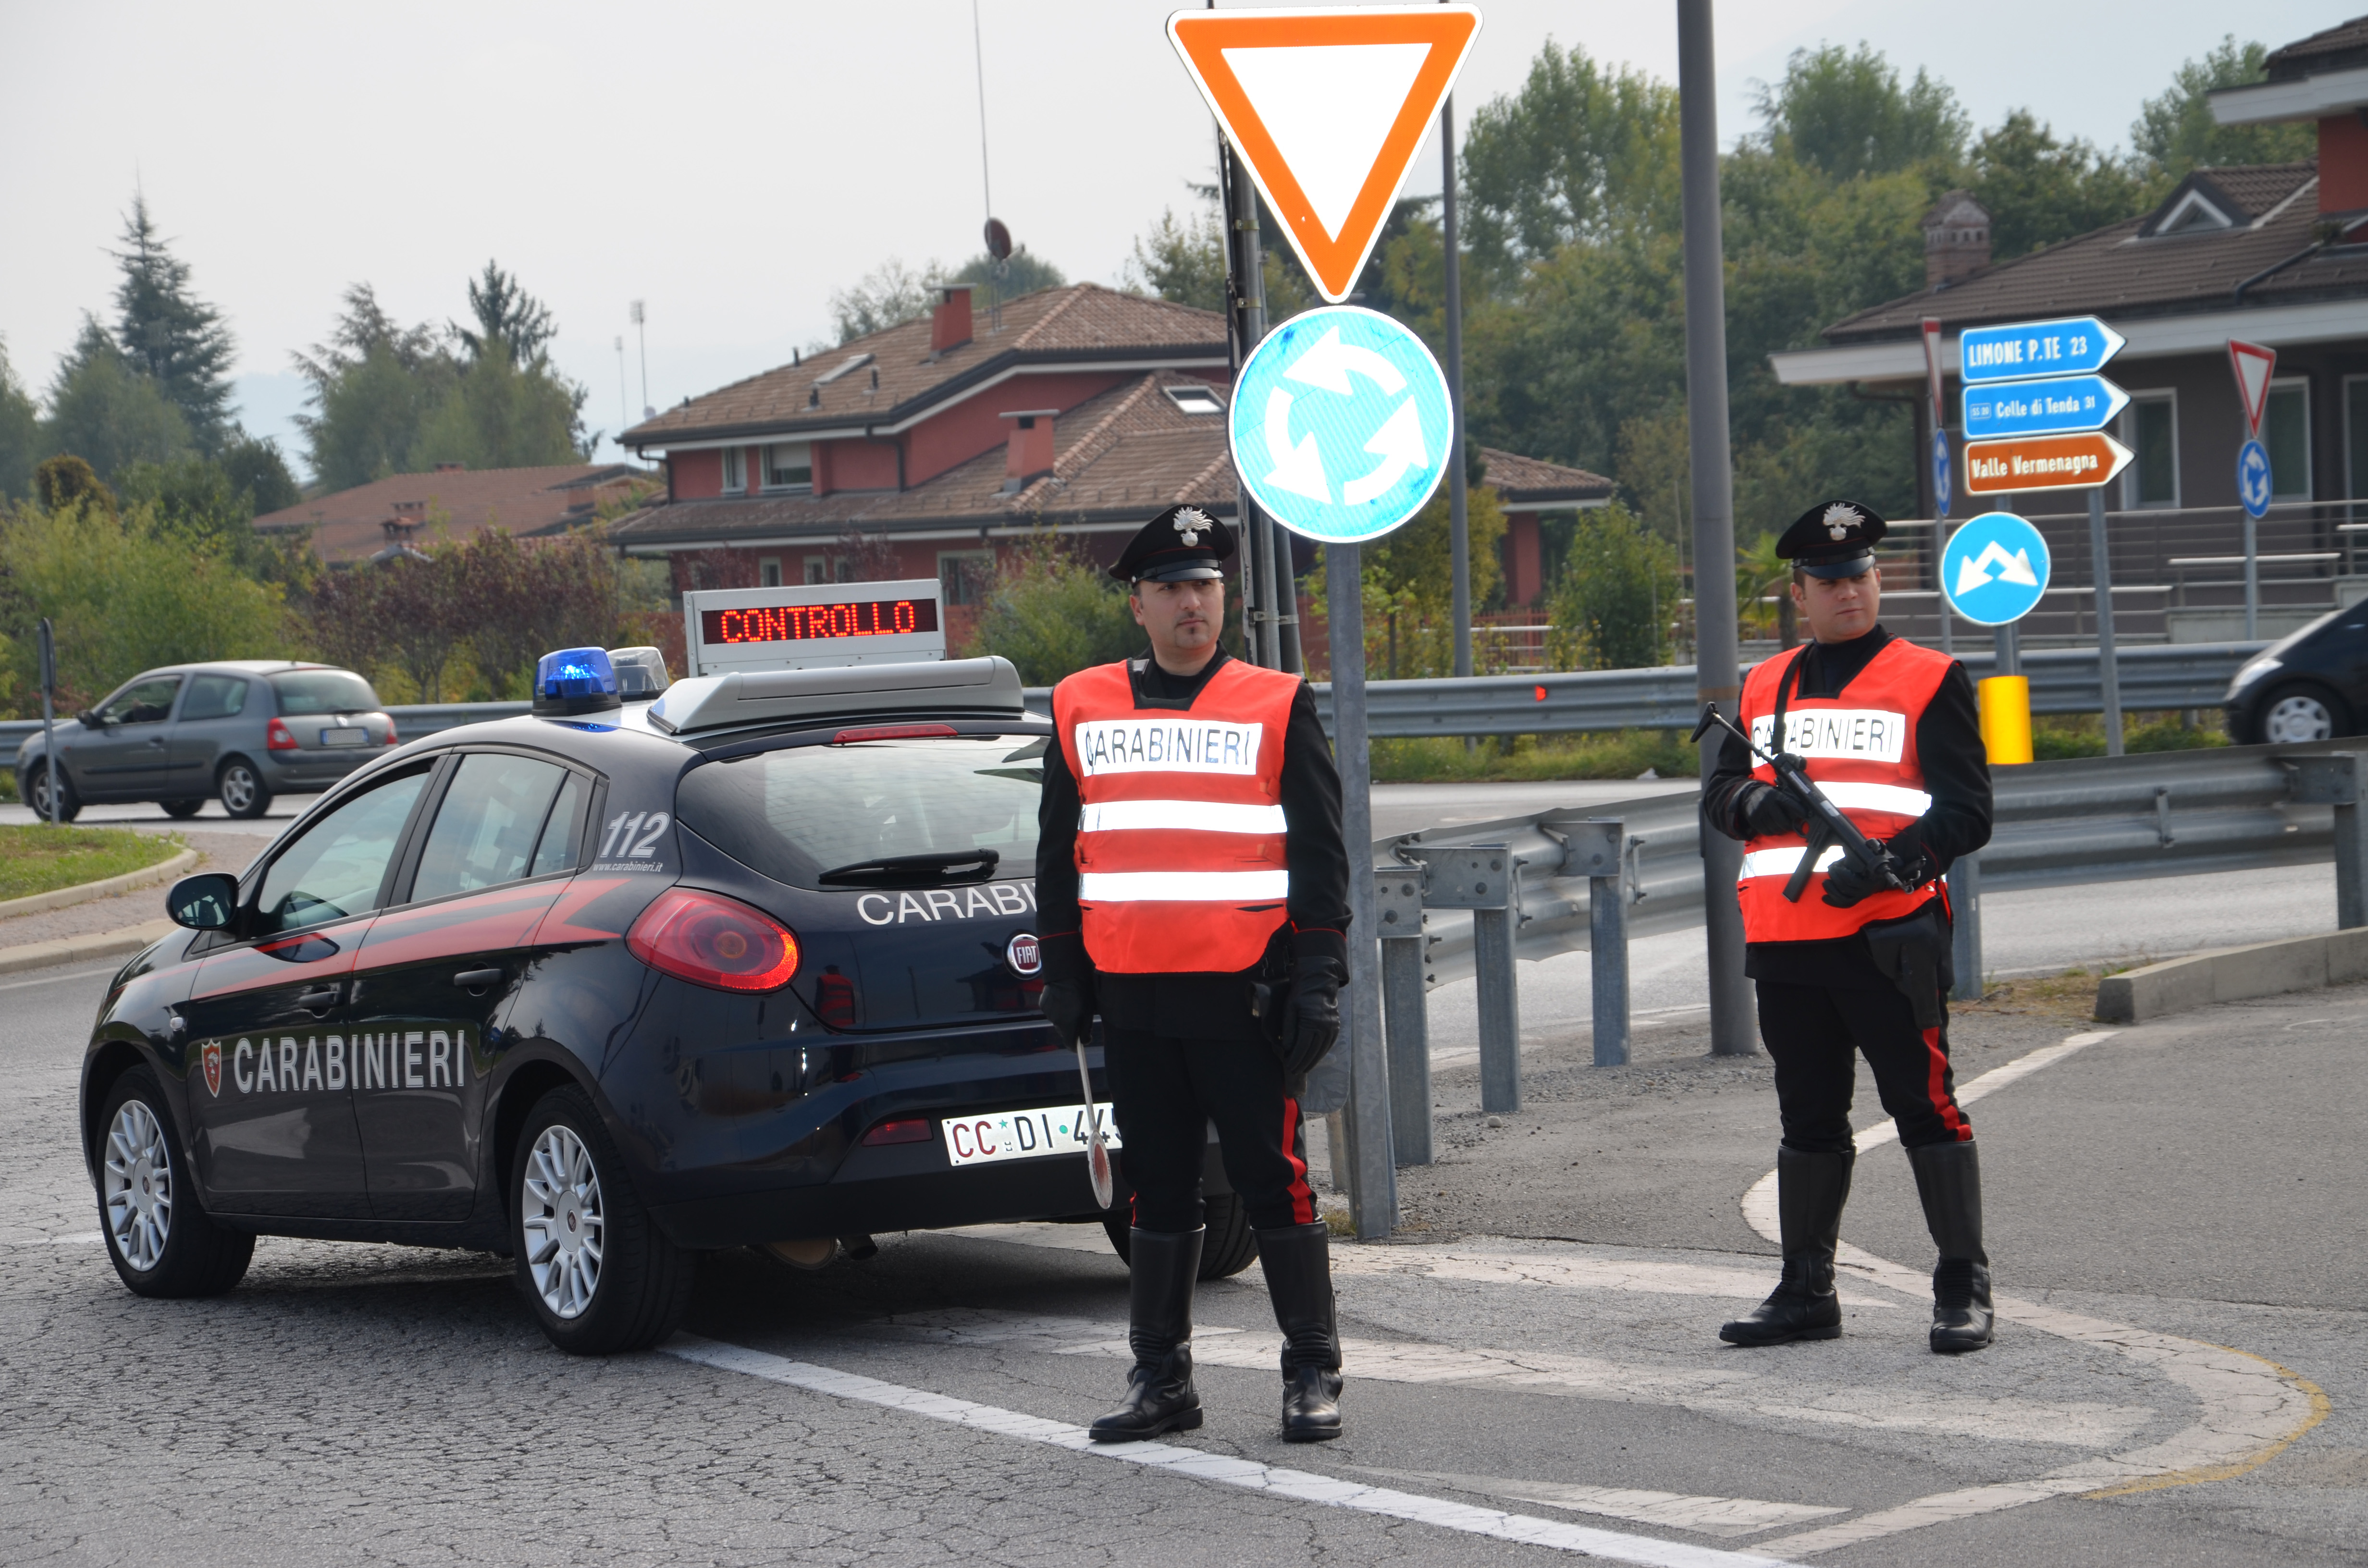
point(411, 723)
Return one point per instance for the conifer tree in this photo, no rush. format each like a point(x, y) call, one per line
point(170, 335)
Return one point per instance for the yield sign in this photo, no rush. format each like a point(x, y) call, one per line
point(2252, 364)
point(1328, 108)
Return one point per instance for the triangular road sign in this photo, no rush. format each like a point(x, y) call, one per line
point(1328, 108)
point(2253, 365)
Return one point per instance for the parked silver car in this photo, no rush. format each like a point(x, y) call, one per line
point(239, 730)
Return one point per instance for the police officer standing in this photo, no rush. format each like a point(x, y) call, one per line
point(1860, 963)
point(1193, 888)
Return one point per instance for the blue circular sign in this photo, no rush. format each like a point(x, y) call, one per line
point(1940, 472)
point(1340, 425)
point(1993, 569)
point(2253, 478)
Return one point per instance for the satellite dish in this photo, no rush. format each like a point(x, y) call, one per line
point(999, 240)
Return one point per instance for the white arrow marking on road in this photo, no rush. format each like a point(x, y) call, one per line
point(1329, 363)
point(1398, 443)
point(1299, 469)
point(2015, 568)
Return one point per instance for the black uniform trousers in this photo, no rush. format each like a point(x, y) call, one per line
point(1164, 1091)
point(1815, 1032)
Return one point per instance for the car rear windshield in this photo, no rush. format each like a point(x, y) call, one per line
point(323, 692)
point(795, 813)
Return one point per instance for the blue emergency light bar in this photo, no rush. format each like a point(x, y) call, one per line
point(575, 680)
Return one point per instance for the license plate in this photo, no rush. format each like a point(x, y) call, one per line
point(1025, 1134)
point(345, 737)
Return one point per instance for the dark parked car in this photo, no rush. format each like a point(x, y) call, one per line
point(237, 731)
point(2308, 686)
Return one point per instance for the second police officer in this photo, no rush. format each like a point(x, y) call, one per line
point(1860, 964)
point(1193, 887)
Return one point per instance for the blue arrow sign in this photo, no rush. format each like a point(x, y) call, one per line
point(1340, 426)
point(1940, 472)
point(2253, 478)
point(2061, 407)
point(2068, 348)
point(1993, 569)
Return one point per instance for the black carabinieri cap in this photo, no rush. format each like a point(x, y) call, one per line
point(1833, 539)
point(1183, 543)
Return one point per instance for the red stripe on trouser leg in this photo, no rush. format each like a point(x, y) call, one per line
point(1944, 1104)
point(1302, 1200)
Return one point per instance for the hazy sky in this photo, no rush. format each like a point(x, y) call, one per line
point(733, 163)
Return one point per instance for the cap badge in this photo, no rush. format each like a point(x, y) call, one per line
point(1840, 519)
point(1190, 524)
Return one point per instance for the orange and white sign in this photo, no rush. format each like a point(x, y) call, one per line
point(2253, 365)
point(1328, 108)
point(2043, 462)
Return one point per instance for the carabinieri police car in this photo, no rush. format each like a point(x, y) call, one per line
point(748, 960)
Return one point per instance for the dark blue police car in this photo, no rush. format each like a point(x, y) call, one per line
point(752, 963)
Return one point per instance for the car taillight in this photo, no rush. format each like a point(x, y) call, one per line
point(277, 738)
point(907, 1130)
point(392, 738)
point(708, 939)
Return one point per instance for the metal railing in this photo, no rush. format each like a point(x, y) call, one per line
point(411, 723)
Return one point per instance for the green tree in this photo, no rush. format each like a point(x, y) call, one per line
point(2040, 190)
point(889, 295)
point(500, 413)
point(1023, 273)
point(374, 382)
point(1182, 259)
point(66, 478)
point(1846, 112)
point(20, 432)
point(508, 318)
point(1617, 594)
point(103, 409)
point(2176, 133)
point(257, 468)
point(1052, 613)
point(201, 503)
point(167, 334)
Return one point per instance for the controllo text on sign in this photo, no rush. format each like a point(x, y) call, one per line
point(2067, 347)
point(1155, 746)
point(1865, 734)
point(799, 623)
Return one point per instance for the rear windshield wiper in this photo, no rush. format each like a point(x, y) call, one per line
point(936, 868)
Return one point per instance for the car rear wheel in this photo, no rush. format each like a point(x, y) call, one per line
point(183, 809)
point(37, 795)
point(2301, 712)
point(1229, 1247)
point(239, 788)
point(595, 1268)
point(158, 1235)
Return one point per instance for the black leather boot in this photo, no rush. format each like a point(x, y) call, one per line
point(1949, 1179)
point(1298, 1263)
point(1810, 1192)
point(1161, 1269)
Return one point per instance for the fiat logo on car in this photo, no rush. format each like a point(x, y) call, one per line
point(1024, 953)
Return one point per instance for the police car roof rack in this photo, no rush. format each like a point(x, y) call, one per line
point(990, 686)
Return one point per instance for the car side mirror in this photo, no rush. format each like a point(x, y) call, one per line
point(89, 719)
point(206, 902)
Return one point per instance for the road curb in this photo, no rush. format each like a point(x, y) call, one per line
point(106, 887)
point(71, 949)
point(2234, 974)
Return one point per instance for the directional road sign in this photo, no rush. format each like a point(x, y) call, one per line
point(2060, 406)
point(1328, 108)
point(2043, 462)
point(2067, 347)
point(2253, 478)
point(1340, 424)
point(2253, 365)
point(1993, 569)
point(1940, 472)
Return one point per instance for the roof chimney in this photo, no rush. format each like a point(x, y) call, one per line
point(950, 322)
point(1028, 453)
point(1957, 239)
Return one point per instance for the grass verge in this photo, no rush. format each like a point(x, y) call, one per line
point(2058, 735)
point(1619, 753)
point(40, 858)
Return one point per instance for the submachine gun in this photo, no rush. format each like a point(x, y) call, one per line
point(1827, 824)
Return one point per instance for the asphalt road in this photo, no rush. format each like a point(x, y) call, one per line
point(1533, 1375)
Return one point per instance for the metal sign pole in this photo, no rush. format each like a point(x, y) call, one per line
point(1459, 518)
point(1374, 1190)
point(49, 734)
point(2108, 670)
point(1734, 1030)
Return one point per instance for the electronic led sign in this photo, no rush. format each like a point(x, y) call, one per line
point(811, 625)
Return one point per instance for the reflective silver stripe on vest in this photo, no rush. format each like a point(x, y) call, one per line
point(1195, 816)
point(1780, 862)
point(1896, 798)
point(1183, 887)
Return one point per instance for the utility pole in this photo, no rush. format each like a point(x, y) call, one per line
point(1246, 302)
point(624, 419)
point(642, 331)
point(1459, 521)
point(1716, 677)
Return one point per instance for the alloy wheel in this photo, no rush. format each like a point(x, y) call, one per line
point(565, 1229)
point(137, 1182)
point(238, 786)
point(2295, 719)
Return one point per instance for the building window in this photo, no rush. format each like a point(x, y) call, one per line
point(2355, 435)
point(768, 572)
point(789, 465)
point(2285, 432)
point(735, 470)
point(2151, 428)
point(828, 569)
point(966, 575)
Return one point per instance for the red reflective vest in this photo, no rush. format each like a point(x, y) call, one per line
point(1180, 862)
point(1861, 749)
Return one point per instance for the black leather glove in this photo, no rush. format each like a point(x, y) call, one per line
point(1848, 883)
point(1311, 1026)
point(1068, 1007)
point(1768, 810)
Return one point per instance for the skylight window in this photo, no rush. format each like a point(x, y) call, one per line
point(1194, 400)
point(845, 367)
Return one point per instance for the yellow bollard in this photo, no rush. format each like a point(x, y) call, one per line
point(2006, 718)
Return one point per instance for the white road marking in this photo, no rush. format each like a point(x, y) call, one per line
point(53, 979)
point(2252, 1408)
point(1723, 1516)
point(1723, 1389)
point(1297, 1485)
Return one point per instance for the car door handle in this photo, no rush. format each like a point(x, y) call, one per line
point(315, 1001)
point(475, 978)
